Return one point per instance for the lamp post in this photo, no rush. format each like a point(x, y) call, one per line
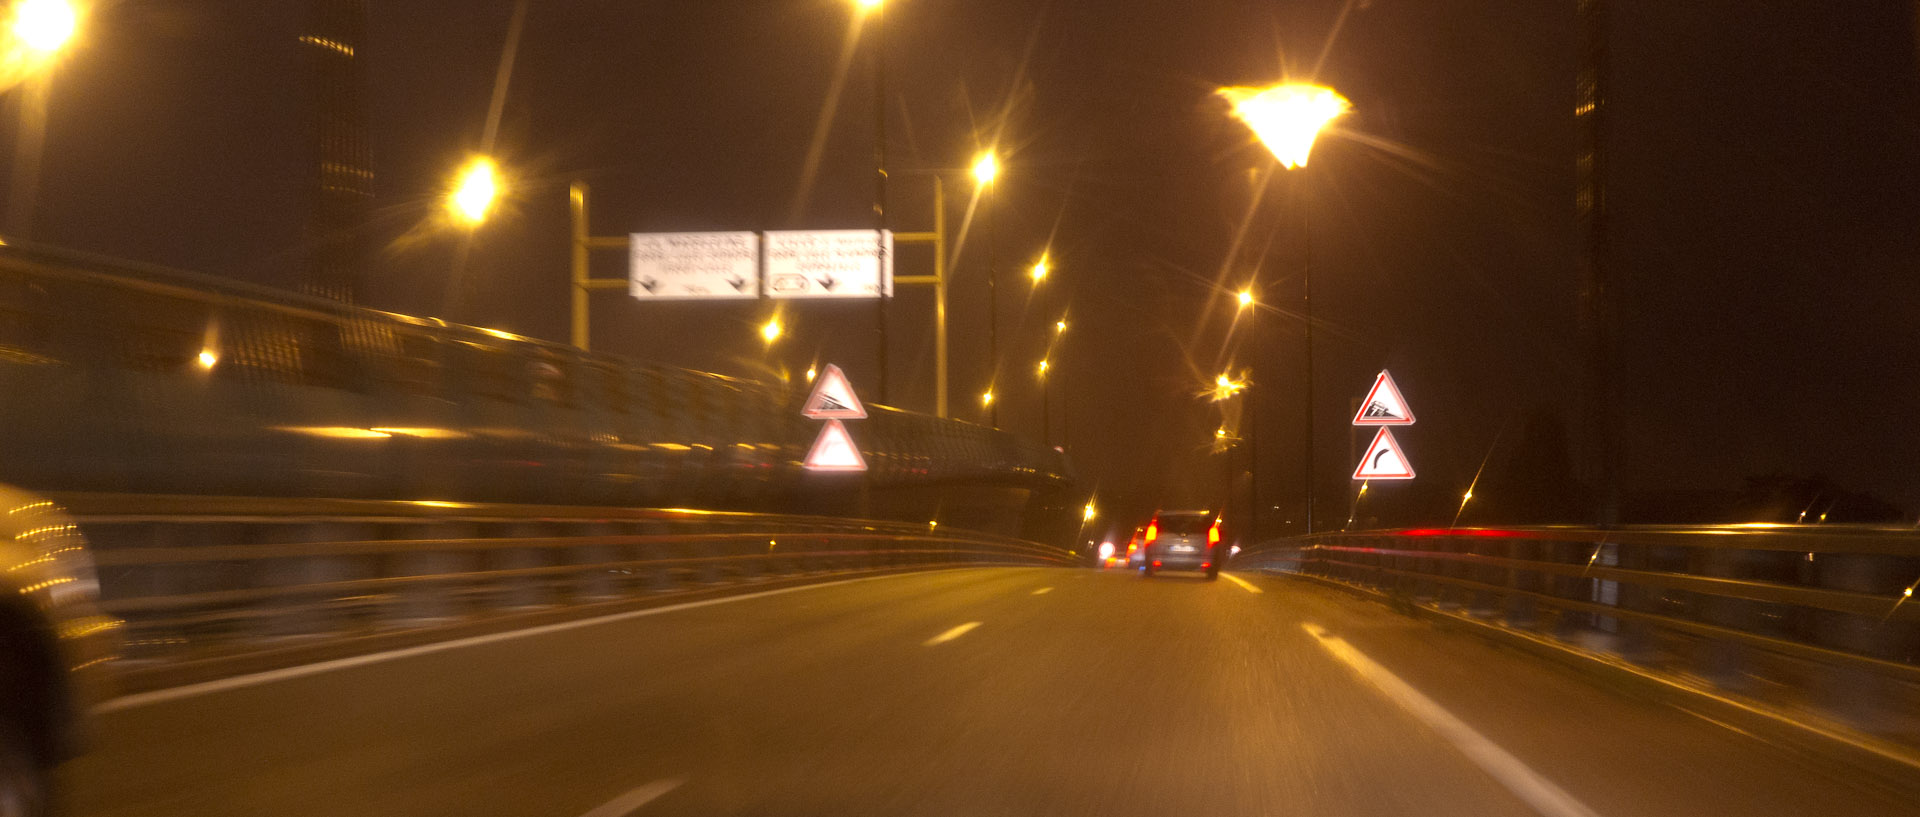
point(1246, 302)
point(986, 168)
point(876, 12)
point(1046, 406)
point(1287, 118)
point(36, 33)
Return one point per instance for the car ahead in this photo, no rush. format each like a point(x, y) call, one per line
point(1183, 540)
point(1137, 549)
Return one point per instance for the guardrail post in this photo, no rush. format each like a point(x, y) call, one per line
point(430, 602)
point(1865, 700)
point(317, 613)
point(595, 581)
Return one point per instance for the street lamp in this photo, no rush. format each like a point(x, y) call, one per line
point(986, 168)
point(771, 331)
point(1246, 298)
point(1040, 270)
point(43, 27)
point(1287, 118)
point(475, 189)
point(1046, 405)
point(35, 34)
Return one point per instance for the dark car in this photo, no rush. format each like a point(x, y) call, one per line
point(1183, 540)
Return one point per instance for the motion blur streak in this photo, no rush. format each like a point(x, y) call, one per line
point(1121, 697)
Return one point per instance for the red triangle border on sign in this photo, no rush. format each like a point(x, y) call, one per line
point(1386, 380)
point(831, 378)
point(1385, 436)
point(831, 433)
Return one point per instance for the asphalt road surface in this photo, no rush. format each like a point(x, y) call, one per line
point(966, 692)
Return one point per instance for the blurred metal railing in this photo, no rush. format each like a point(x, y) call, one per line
point(1818, 620)
point(200, 577)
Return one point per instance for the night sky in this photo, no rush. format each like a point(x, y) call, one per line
point(1766, 199)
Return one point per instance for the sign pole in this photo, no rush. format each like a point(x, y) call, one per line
point(582, 242)
point(577, 201)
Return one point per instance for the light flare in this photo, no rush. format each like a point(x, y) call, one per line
point(475, 191)
point(44, 26)
point(1287, 117)
point(986, 168)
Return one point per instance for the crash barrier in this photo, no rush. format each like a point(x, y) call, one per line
point(194, 577)
point(1815, 621)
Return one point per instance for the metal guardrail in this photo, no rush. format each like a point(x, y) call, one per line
point(195, 577)
point(1813, 619)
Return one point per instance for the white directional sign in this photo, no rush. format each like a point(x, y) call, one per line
point(686, 266)
point(829, 264)
point(1384, 459)
point(834, 450)
point(833, 398)
point(1384, 406)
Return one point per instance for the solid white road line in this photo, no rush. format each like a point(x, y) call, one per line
point(1545, 797)
point(175, 693)
point(952, 634)
point(1244, 584)
point(1043, 591)
point(625, 804)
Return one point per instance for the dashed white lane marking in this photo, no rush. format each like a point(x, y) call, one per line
point(1244, 584)
point(1536, 791)
point(1043, 591)
point(626, 804)
point(140, 699)
point(953, 633)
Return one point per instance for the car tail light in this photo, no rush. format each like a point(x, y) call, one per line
point(1153, 531)
point(1206, 565)
point(1213, 533)
point(1156, 563)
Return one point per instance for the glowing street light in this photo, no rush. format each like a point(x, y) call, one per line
point(1089, 513)
point(986, 398)
point(1059, 327)
point(1040, 269)
point(475, 191)
point(1287, 117)
point(1225, 387)
point(1246, 298)
point(986, 168)
point(869, 6)
point(770, 332)
point(44, 26)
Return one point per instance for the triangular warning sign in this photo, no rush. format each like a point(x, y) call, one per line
point(833, 398)
point(1384, 459)
point(1384, 406)
point(834, 450)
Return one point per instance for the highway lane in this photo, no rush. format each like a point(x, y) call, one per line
point(983, 691)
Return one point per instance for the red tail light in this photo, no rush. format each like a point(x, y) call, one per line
point(1153, 531)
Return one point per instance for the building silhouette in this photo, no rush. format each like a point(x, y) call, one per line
point(342, 167)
